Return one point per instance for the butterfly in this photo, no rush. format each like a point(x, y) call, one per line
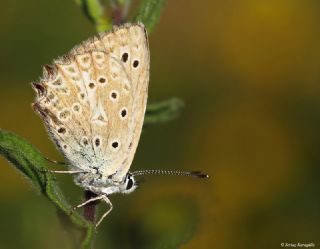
point(93, 101)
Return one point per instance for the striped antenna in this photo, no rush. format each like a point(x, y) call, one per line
point(196, 174)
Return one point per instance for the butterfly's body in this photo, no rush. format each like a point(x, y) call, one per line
point(101, 185)
point(93, 102)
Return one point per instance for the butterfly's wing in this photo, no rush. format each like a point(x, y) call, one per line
point(93, 100)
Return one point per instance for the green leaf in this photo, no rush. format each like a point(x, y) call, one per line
point(29, 161)
point(149, 13)
point(94, 11)
point(163, 111)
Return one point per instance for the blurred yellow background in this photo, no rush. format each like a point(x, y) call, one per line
point(249, 74)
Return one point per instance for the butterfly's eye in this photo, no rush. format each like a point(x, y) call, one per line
point(129, 184)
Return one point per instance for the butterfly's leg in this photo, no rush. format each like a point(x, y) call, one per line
point(106, 199)
point(62, 171)
point(66, 171)
point(99, 197)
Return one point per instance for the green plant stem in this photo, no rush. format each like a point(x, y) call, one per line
point(126, 7)
point(117, 12)
point(95, 13)
point(149, 13)
point(31, 163)
point(90, 209)
point(163, 111)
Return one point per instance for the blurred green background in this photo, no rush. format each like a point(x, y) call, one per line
point(249, 74)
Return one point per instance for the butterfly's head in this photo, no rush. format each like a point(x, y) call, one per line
point(129, 184)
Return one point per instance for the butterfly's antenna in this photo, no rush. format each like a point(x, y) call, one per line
point(196, 174)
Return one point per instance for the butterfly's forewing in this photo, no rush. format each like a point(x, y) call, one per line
point(93, 100)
